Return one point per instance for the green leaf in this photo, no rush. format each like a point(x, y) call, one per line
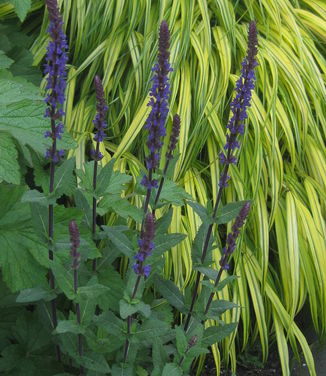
point(171, 369)
point(5, 61)
point(218, 307)
point(92, 291)
point(94, 362)
point(21, 8)
point(201, 211)
point(34, 196)
point(22, 256)
point(127, 309)
point(110, 323)
point(149, 330)
point(182, 343)
point(103, 178)
point(35, 294)
point(221, 284)
point(229, 212)
point(173, 193)
point(121, 206)
point(198, 244)
point(208, 272)
point(214, 334)
point(9, 167)
point(64, 280)
point(69, 326)
point(171, 293)
point(162, 225)
point(165, 242)
point(119, 239)
point(64, 179)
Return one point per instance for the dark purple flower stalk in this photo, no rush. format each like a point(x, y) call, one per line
point(56, 59)
point(239, 106)
point(146, 246)
point(155, 124)
point(75, 255)
point(169, 154)
point(230, 246)
point(100, 124)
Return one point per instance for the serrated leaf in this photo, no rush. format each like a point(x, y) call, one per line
point(181, 340)
point(94, 362)
point(173, 193)
point(127, 309)
point(35, 294)
point(119, 239)
point(218, 307)
point(171, 293)
point(22, 255)
point(165, 242)
point(171, 369)
point(64, 280)
point(9, 167)
point(214, 334)
point(229, 212)
point(69, 326)
point(64, 179)
point(5, 61)
point(34, 196)
point(21, 8)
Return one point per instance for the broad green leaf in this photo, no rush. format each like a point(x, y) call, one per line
point(69, 326)
point(35, 294)
point(171, 369)
point(119, 239)
point(128, 309)
point(171, 293)
point(9, 167)
point(93, 362)
point(5, 61)
point(64, 179)
point(218, 307)
point(22, 258)
point(181, 339)
point(173, 193)
point(110, 323)
point(229, 212)
point(64, 280)
point(165, 242)
point(21, 8)
point(214, 334)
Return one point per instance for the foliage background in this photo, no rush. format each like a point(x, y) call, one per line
point(281, 261)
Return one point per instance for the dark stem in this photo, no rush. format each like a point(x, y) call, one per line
point(94, 199)
point(215, 285)
point(161, 182)
point(205, 248)
point(51, 188)
point(80, 343)
point(149, 191)
point(129, 319)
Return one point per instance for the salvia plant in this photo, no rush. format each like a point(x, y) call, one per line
point(97, 316)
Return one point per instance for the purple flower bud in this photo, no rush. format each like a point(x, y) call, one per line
point(146, 246)
point(99, 121)
point(174, 136)
point(192, 341)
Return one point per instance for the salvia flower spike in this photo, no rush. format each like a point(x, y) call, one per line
point(146, 247)
point(240, 104)
point(159, 93)
point(56, 59)
point(100, 125)
point(99, 121)
point(230, 246)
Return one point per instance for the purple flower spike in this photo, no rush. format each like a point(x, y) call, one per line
point(241, 102)
point(56, 59)
point(99, 121)
point(146, 246)
point(174, 136)
point(75, 242)
point(159, 93)
point(232, 237)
